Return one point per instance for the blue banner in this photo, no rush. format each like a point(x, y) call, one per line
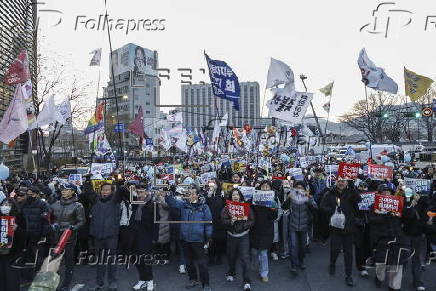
point(224, 81)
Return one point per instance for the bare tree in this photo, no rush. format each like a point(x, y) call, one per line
point(376, 117)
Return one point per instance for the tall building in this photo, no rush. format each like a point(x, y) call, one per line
point(17, 32)
point(137, 84)
point(202, 116)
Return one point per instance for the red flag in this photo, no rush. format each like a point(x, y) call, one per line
point(137, 125)
point(18, 71)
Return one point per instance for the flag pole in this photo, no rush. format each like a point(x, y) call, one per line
point(303, 77)
point(95, 111)
point(327, 122)
point(369, 124)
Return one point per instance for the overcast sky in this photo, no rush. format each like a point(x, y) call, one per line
point(320, 39)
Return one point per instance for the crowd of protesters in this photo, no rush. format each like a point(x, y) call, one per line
point(128, 216)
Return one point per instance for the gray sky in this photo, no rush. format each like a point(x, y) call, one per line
point(318, 38)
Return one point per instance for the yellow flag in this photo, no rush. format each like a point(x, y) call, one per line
point(416, 85)
point(327, 90)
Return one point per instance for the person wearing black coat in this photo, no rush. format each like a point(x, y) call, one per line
point(144, 234)
point(9, 257)
point(414, 219)
point(216, 203)
point(340, 205)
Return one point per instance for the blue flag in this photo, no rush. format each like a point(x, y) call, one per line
point(224, 81)
point(350, 152)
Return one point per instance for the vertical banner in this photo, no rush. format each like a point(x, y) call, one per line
point(6, 231)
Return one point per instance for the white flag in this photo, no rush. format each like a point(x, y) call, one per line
point(96, 58)
point(175, 117)
point(289, 106)
point(373, 76)
point(14, 120)
point(326, 107)
point(49, 114)
point(280, 73)
point(216, 133)
point(181, 141)
point(64, 110)
point(224, 120)
point(166, 141)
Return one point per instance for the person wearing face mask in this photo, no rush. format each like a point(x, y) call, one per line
point(340, 205)
point(144, 234)
point(216, 203)
point(35, 214)
point(238, 240)
point(68, 213)
point(195, 235)
point(104, 227)
point(301, 206)
point(11, 276)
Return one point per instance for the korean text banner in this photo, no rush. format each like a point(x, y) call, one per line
point(289, 106)
point(239, 210)
point(348, 170)
point(225, 83)
point(389, 203)
point(380, 172)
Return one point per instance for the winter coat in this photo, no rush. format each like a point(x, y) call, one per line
point(300, 213)
point(262, 232)
point(239, 227)
point(105, 217)
point(145, 232)
point(68, 213)
point(414, 219)
point(216, 205)
point(193, 232)
point(349, 200)
point(388, 239)
point(317, 186)
point(33, 213)
point(164, 228)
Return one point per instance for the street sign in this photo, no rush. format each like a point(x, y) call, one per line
point(427, 111)
point(119, 127)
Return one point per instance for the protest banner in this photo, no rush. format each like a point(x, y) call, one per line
point(368, 199)
point(206, 177)
point(239, 167)
point(331, 169)
point(296, 173)
point(388, 203)
point(96, 184)
point(239, 210)
point(289, 105)
point(228, 187)
point(419, 186)
point(76, 179)
point(380, 172)
point(6, 231)
point(101, 168)
point(263, 198)
point(278, 178)
point(303, 162)
point(348, 170)
point(247, 192)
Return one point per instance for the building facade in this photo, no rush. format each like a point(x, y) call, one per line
point(17, 32)
point(203, 115)
point(136, 84)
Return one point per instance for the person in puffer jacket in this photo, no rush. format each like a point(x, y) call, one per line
point(194, 235)
point(238, 239)
point(300, 205)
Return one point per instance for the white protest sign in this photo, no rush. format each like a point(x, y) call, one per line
point(418, 185)
point(264, 198)
point(247, 192)
point(75, 179)
point(367, 201)
point(303, 162)
point(101, 168)
point(206, 177)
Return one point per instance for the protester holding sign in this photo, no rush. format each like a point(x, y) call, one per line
point(262, 234)
point(388, 240)
point(301, 206)
point(238, 242)
point(12, 245)
point(340, 204)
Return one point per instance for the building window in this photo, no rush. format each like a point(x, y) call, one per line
point(209, 92)
point(147, 103)
point(147, 111)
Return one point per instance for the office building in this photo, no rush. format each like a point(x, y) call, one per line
point(137, 84)
point(17, 32)
point(203, 115)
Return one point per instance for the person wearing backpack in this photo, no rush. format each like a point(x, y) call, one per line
point(340, 205)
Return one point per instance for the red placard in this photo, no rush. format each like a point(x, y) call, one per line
point(389, 203)
point(239, 210)
point(380, 172)
point(348, 170)
point(6, 231)
point(278, 178)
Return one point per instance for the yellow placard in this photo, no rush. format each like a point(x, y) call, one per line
point(96, 184)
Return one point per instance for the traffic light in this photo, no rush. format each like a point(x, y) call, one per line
point(418, 115)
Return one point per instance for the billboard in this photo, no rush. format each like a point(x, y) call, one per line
point(133, 58)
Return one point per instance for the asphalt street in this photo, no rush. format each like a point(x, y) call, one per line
point(314, 278)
